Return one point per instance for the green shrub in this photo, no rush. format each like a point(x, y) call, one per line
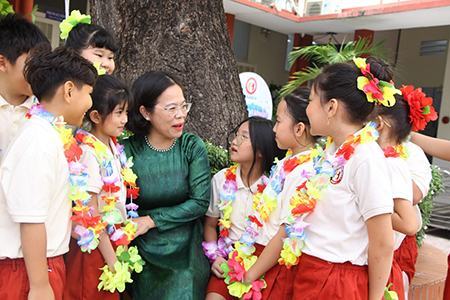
point(218, 157)
point(426, 206)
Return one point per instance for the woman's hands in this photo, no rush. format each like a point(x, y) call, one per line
point(144, 224)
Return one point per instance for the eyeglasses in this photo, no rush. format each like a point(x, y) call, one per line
point(173, 108)
point(240, 138)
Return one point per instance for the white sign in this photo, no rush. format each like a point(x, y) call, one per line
point(257, 95)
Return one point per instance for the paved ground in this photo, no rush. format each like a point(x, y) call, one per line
point(439, 238)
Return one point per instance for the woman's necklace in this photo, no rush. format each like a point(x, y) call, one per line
point(159, 150)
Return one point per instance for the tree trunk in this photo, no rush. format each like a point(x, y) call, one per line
point(188, 39)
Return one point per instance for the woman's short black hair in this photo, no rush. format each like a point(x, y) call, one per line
point(48, 70)
point(263, 142)
point(339, 81)
point(108, 92)
point(19, 36)
point(84, 35)
point(146, 90)
point(397, 116)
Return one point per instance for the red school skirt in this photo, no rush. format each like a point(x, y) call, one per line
point(447, 281)
point(406, 256)
point(83, 272)
point(14, 282)
point(278, 280)
point(317, 279)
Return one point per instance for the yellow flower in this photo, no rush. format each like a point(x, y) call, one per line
point(238, 289)
point(388, 94)
point(128, 175)
point(360, 62)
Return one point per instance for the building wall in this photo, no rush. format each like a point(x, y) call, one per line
point(267, 52)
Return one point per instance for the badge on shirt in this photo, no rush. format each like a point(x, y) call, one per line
point(337, 178)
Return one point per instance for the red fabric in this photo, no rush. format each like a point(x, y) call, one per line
point(447, 281)
point(396, 278)
point(277, 279)
point(14, 283)
point(319, 279)
point(406, 256)
point(83, 271)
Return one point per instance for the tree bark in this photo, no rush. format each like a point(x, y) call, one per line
point(188, 39)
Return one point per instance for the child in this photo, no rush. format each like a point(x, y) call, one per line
point(106, 162)
point(394, 127)
point(38, 171)
point(17, 38)
point(91, 41)
point(253, 149)
point(349, 237)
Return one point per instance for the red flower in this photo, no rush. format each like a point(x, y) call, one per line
point(260, 187)
point(303, 208)
point(230, 175)
point(224, 233)
point(421, 110)
point(73, 153)
point(290, 164)
point(301, 186)
point(346, 150)
point(390, 152)
point(110, 188)
point(133, 192)
point(255, 220)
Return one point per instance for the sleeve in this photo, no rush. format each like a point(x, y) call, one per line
point(95, 183)
point(401, 182)
point(167, 218)
point(372, 187)
point(28, 177)
point(420, 168)
point(213, 209)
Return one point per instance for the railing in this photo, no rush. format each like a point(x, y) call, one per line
point(319, 7)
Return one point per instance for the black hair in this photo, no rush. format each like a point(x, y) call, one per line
point(296, 103)
point(19, 36)
point(398, 118)
point(339, 81)
point(108, 92)
point(146, 90)
point(46, 71)
point(263, 142)
point(84, 35)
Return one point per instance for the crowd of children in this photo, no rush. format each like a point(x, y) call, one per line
point(333, 218)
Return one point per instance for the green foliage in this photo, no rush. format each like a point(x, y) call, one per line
point(426, 206)
point(5, 8)
point(218, 157)
point(322, 55)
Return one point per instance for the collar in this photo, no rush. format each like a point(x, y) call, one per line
point(28, 103)
point(240, 183)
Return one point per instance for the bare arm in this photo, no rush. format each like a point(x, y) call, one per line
point(404, 218)
point(210, 231)
point(433, 146)
point(268, 258)
point(417, 194)
point(34, 246)
point(381, 248)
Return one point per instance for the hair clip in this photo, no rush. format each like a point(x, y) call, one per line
point(71, 21)
point(421, 110)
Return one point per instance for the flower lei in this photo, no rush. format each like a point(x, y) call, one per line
point(89, 226)
point(421, 110)
point(311, 190)
point(111, 215)
point(378, 91)
point(71, 21)
point(396, 151)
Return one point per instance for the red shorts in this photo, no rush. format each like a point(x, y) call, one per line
point(447, 281)
point(319, 279)
point(83, 272)
point(396, 278)
point(406, 256)
point(277, 279)
point(14, 279)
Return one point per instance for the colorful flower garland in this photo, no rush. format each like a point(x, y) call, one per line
point(396, 151)
point(311, 190)
point(111, 215)
point(378, 91)
point(89, 226)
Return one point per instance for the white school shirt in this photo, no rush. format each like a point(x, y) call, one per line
point(337, 231)
point(242, 205)
point(419, 166)
point(401, 184)
point(12, 119)
point(282, 212)
point(95, 174)
point(35, 180)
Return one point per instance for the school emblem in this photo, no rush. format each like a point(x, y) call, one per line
point(337, 178)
